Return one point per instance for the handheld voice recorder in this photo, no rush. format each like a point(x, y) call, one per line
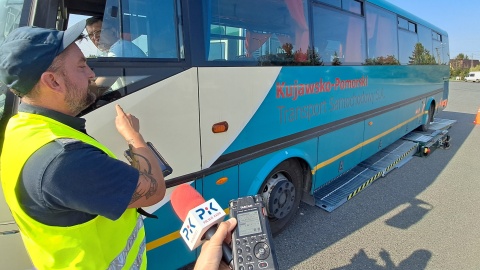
point(166, 169)
point(252, 241)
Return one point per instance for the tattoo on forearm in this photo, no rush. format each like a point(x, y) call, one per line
point(147, 186)
point(134, 160)
point(149, 181)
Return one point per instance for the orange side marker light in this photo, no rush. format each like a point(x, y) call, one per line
point(220, 127)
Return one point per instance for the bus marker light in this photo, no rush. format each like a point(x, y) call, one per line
point(220, 127)
point(222, 180)
point(370, 123)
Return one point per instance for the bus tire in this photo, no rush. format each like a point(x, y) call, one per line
point(431, 112)
point(281, 192)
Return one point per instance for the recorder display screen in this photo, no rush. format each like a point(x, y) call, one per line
point(248, 223)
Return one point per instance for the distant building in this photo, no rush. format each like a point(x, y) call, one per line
point(463, 63)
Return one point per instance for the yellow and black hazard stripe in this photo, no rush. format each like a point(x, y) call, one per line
point(360, 188)
point(381, 173)
point(389, 167)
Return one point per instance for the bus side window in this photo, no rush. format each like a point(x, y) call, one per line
point(343, 33)
point(269, 32)
point(122, 31)
point(135, 29)
point(381, 33)
point(162, 44)
point(163, 38)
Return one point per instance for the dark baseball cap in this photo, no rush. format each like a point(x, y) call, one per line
point(29, 51)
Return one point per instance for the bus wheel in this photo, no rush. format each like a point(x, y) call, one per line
point(431, 111)
point(281, 192)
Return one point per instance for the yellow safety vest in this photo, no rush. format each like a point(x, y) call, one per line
point(100, 243)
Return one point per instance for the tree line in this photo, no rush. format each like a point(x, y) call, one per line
point(457, 70)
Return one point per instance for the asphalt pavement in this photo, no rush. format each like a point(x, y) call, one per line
point(423, 215)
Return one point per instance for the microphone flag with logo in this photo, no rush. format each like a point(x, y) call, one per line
point(198, 215)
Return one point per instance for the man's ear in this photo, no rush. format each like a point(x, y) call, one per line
point(52, 81)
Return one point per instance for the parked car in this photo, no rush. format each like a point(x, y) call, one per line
point(473, 77)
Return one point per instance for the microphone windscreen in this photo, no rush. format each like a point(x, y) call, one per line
point(184, 198)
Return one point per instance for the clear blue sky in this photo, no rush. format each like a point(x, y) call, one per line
point(460, 18)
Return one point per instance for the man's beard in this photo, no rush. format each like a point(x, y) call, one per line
point(77, 99)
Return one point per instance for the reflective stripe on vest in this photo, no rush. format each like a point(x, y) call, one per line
point(119, 261)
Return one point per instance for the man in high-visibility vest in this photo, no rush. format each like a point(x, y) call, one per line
point(74, 202)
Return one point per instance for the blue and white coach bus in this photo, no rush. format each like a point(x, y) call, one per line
point(277, 97)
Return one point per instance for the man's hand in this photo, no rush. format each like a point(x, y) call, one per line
point(151, 185)
point(211, 254)
point(127, 125)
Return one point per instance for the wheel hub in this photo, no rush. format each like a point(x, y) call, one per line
point(279, 196)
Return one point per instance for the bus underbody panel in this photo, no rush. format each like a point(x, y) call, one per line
point(346, 186)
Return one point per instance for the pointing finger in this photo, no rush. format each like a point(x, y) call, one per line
point(119, 110)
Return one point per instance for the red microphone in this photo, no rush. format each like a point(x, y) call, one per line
point(200, 218)
point(184, 198)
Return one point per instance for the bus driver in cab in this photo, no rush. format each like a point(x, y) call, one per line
point(108, 39)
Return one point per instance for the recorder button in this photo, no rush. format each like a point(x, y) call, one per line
point(262, 264)
point(262, 251)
